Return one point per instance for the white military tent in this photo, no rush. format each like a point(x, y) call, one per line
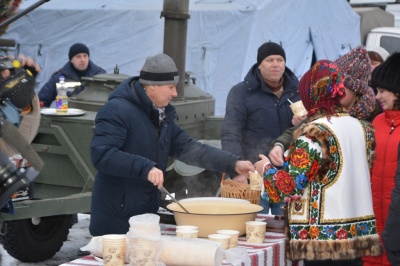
point(223, 35)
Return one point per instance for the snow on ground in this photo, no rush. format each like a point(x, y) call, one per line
point(78, 237)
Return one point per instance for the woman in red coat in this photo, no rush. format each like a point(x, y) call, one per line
point(386, 78)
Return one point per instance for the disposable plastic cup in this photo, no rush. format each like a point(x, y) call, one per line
point(143, 242)
point(298, 108)
point(114, 248)
point(234, 235)
point(256, 181)
point(255, 232)
point(223, 239)
point(143, 258)
point(187, 233)
point(192, 227)
point(145, 226)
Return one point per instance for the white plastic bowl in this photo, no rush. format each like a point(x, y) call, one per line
point(215, 199)
point(213, 215)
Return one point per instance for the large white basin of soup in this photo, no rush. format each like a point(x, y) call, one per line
point(213, 215)
point(215, 199)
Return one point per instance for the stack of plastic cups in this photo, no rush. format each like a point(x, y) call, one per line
point(223, 239)
point(144, 240)
point(114, 248)
point(234, 235)
point(187, 231)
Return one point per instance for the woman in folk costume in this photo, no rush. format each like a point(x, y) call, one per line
point(386, 78)
point(325, 177)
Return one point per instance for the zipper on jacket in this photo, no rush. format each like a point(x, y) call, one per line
point(159, 129)
point(385, 156)
point(392, 128)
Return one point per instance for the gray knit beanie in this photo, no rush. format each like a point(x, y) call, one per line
point(159, 70)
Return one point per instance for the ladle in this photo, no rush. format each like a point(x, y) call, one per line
point(173, 198)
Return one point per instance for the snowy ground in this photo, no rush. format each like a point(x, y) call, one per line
point(78, 237)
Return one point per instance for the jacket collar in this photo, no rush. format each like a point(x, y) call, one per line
point(392, 117)
point(147, 104)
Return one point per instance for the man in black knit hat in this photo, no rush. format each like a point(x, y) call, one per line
point(79, 66)
point(257, 109)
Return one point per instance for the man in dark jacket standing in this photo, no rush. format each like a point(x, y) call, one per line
point(135, 134)
point(257, 109)
point(79, 66)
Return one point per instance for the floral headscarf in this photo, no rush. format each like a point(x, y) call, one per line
point(321, 87)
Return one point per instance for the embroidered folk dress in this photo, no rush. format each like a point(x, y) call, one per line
point(330, 212)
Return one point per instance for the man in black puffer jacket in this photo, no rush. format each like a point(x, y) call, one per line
point(257, 109)
point(135, 134)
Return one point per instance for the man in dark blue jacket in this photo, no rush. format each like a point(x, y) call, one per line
point(257, 109)
point(135, 134)
point(79, 66)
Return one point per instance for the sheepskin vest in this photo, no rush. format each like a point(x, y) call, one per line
point(334, 217)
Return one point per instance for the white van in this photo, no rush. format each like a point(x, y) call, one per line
point(386, 37)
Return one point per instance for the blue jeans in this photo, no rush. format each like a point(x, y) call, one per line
point(275, 207)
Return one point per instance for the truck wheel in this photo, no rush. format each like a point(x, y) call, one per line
point(30, 242)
